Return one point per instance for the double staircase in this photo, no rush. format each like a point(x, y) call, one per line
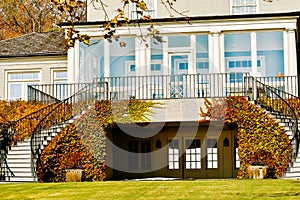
point(21, 157)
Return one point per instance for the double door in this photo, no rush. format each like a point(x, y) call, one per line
point(200, 158)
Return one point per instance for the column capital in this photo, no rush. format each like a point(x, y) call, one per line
point(290, 30)
point(215, 32)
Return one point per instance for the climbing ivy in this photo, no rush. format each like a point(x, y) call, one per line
point(67, 151)
point(82, 143)
point(259, 137)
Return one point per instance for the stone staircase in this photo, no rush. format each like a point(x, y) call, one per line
point(293, 171)
point(20, 159)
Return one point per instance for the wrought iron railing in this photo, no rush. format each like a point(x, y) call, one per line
point(278, 102)
point(34, 93)
point(52, 93)
point(288, 84)
point(175, 86)
point(63, 113)
point(5, 171)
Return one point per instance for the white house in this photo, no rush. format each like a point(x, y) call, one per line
point(33, 58)
point(209, 55)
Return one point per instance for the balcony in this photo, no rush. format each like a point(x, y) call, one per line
point(183, 86)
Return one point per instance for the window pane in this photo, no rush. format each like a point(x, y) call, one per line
point(60, 75)
point(23, 76)
point(183, 66)
point(155, 67)
point(270, 47)
point(133, 155)
point(212, 153)
point(132, 68)
point(15, 91)
point(173, 154)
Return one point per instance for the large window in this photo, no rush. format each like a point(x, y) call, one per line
point(202, 61)
point(237, 55)
point(60, 80)
point(244, 6)
point(193, 154)
point(17, 83)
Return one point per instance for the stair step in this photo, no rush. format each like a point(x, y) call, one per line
point(20, 148)
point(18, 152)
point(294, 169)
point(18, 160)
point(22, 179)
point(22, 144)
point(20, 169)
point(292, 174)
point(18, 156)
point(19, 164)
point(23, 174)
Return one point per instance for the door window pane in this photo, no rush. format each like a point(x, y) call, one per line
point(212, 154)
point(133, 155)
point(173, 154)
point(146, 154)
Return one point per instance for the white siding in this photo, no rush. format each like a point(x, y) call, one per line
point(195, 8)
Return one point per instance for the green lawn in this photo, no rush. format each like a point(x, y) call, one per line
point(200, 189)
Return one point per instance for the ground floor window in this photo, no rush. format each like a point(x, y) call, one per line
point(59, 80)
point(18, 81)
point(212, 154)
point(193, 154)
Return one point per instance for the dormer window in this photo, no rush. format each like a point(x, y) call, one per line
point(151, 10)
point(240, 7)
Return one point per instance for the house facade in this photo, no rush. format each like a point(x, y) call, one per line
point(34, 58)
point(176, 63)
point(222, 43)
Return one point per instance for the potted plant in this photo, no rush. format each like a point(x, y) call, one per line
point(74, 167)
point(257, 168)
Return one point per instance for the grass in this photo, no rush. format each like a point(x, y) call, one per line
point(199, 189)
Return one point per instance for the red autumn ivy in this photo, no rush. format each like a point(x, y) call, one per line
point(259, 136)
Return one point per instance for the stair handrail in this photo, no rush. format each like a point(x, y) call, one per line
point(33, 116)
point(289, 110)
point(31, 87)
point(65, 104)
point(7, 167)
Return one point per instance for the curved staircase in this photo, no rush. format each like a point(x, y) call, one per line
point(275, 103)
point(19, 160)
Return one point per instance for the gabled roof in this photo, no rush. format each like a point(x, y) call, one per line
point(34, 44)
